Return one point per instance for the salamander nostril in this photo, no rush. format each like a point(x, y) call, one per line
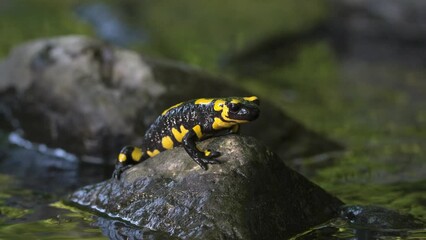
point(234, 107)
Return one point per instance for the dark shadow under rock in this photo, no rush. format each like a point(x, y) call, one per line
point(91, 99)
point(252, 194)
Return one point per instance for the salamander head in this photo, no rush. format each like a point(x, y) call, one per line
point(238, 109)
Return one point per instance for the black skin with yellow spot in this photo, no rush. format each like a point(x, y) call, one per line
point(186, 123)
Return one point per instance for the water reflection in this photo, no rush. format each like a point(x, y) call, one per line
point(109, 26)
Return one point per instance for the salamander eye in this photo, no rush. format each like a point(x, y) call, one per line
point(234, 107)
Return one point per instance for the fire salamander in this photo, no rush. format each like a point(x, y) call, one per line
point(187, 122)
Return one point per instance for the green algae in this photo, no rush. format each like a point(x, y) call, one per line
point(379, 123)
point(24, 20)
point(17, 205)
point(48, 229)
point(406, 197)
point(202, 33)
point(373, 109)
point(13, 213)
point(8, 189)
point(8, 212)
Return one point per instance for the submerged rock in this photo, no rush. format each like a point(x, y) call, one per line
point(367, 222)
point(379, 218)
point(91, 99)
point(252, 194)
point(375, 222)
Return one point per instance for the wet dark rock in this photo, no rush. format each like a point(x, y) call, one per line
point(374, 222)
point(38, 171)
point(367, 222)
point(379, 218)
point(252, 194)
point(90, 99)
point(45, 172)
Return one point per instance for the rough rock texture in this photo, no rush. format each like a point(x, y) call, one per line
point(91, 99)
point(251, 195)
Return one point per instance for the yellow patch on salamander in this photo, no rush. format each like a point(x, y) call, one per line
point(203, 101)
point(251, 99)
point(178, 135)
point(207, 153)
point(136, 154)
point(170, 108)
point(167, 142)
point(197, 130)
point(218, 105)
point(225, 117)
point(225, 111)
point(122, 157)
point(152, 153)
point(220, 124)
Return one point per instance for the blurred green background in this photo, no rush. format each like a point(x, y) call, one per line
point(340, 68)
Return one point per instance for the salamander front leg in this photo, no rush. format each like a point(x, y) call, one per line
point(234, 129)
point(201, 158)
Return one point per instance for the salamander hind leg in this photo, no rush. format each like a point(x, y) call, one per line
point(119, 169)
point(211, 154)
point(200, 157)
point(128, 156)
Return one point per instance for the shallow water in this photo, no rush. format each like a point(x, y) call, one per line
point(370, 97)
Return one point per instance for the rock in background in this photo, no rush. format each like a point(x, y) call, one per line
point(91, 99)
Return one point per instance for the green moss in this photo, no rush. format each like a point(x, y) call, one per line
point(7, 187)
point(309, 81)
point(6, 182)
point(68, 223)
point(26, 20)
point(376, 112)
point(408, 197)
point(201, 33)
point(47, 229)
point(11, 212)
